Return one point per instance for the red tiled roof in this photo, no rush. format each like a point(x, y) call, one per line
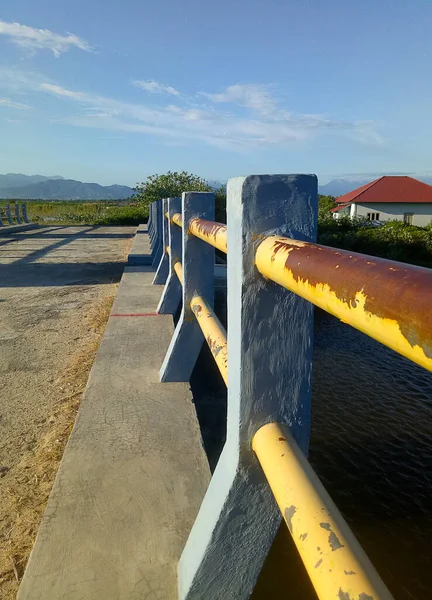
point(390, 188)
point(336, 208)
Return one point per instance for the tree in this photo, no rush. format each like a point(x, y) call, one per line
point(170, 185)
point(325, 203)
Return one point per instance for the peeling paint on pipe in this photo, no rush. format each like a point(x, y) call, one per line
point(211, 232)
point(387, 300)
point(336, 563)
point(177, 219)
point(214, 333)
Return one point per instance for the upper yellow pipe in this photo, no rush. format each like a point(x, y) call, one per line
point(387, 300)
point(177, 219)
point(211, 232)
point(214, 333)
point(334, 560)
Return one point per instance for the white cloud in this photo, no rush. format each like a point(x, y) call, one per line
point(11, 104)
point(254, 96)
point(60, 91)
point(263, 123)
point(154, 87)
point(37, 39)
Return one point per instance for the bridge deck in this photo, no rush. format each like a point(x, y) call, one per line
point(133, 473)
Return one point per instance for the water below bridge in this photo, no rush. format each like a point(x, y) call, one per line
point(371, 445)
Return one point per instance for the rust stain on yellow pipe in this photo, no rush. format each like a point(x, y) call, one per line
point(387, 300)
point(211, 232)
point(335, 561)
point(177, 219)
point(214, 333)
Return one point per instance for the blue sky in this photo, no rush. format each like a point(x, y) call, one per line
point(112, 92)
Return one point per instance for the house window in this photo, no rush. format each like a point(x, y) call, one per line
point(408, 218)
point(372, 216)
point(368, 216)
point(376, 216)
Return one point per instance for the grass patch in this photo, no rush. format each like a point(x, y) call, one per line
point(102, 212)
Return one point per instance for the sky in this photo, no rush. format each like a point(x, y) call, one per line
point(115, 91)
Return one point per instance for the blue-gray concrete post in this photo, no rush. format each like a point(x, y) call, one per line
point(198, 260)
point(269, 379)
point(17, 214)
point(9, 214)
point(151, 225)
point(154, 217)
point(163, 267)
point(172, 293)
point(24, 212)
point(149, 220)
point(158, 249)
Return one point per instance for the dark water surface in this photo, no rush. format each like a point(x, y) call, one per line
point(371, 445)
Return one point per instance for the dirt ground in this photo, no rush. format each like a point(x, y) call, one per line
point(57, 285)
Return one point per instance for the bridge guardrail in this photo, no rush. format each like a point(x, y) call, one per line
point(16, 217)
point(271, 239)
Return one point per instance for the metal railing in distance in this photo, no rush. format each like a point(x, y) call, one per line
point(336, 563)
point(387, 300)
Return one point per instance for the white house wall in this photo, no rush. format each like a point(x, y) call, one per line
point(388, 211)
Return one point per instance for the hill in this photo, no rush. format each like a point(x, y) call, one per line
point(60, 189)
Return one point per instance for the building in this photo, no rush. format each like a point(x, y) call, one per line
point(389, 197)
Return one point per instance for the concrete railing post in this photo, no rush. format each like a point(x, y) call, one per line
point(270, 333)
point(152, 224)
point(158, 248)
point(172, 293)
point(17, 214)
point(1, 220)
point(24, 212)
point(9, 214)
point(198, 259)
point(149, 223)
point(163, 267)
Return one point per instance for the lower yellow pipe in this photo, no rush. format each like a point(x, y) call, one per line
point(214, 333)
point(179, 271)
point(336, 563)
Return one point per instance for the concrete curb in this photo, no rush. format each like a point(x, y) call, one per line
point(140, 253)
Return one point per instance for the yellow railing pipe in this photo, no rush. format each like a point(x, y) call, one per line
point(335, 561)
point(387, 300)
point(214, 333)
point(177, 219)
point(178, 268)
point(211, 232)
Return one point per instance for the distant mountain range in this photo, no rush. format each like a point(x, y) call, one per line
point(28, 187)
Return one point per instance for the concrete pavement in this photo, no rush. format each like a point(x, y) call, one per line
point(133, 473)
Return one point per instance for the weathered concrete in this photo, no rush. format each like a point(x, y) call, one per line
point(133, 473)
point(140, 253)
point(198, 278)
point(270, 332)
